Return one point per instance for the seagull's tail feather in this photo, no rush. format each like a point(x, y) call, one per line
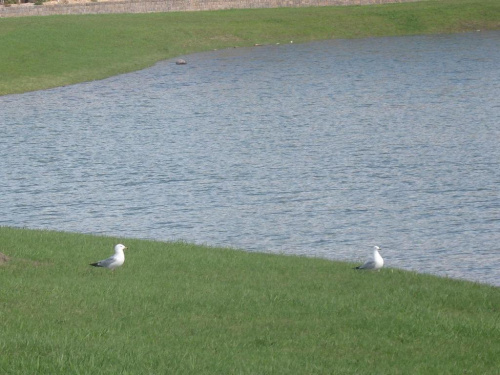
point(357, 268)
point(95, 264)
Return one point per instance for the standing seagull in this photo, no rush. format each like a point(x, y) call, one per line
point(373, 264)
point(113, 261)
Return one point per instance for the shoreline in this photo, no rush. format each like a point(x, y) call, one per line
point(63, 50)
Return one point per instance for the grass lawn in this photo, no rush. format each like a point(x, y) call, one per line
point(176, 308)
point(44, 52)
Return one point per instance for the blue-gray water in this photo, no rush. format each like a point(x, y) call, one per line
point(323, 149)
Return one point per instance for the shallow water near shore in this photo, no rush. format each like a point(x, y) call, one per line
point(322, 149)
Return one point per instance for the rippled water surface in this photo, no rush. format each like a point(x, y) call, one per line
point(323, 149)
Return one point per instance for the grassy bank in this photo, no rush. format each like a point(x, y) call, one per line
point(43, 52)
point(175, 308)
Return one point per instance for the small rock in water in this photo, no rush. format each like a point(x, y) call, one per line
point(181, 62)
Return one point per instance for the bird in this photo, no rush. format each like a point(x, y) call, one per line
point(373, 264)
point(113, 261)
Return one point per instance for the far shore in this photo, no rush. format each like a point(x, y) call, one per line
point(63, 50)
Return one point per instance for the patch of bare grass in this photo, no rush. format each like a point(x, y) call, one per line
point(3, 258)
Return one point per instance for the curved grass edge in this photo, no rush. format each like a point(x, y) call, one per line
point(45, 52)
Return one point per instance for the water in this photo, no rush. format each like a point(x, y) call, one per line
point(323, 149)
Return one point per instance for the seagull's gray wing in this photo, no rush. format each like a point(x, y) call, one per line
point(367, 266)
point(105, 262)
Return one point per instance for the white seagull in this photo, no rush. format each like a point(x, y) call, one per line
point(113, 261)
point(373, 264)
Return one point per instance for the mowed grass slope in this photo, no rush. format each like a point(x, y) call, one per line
point(176, 308)
point(44, 52)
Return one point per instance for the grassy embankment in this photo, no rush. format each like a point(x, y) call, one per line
point(43, 52)
point(175, 308)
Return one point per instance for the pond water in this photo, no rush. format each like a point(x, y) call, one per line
point(322, 149)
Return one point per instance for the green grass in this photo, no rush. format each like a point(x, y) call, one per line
point(176, 308)
point(44, 52)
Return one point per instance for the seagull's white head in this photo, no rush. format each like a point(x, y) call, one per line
point(376, 248)
point(119, 248)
